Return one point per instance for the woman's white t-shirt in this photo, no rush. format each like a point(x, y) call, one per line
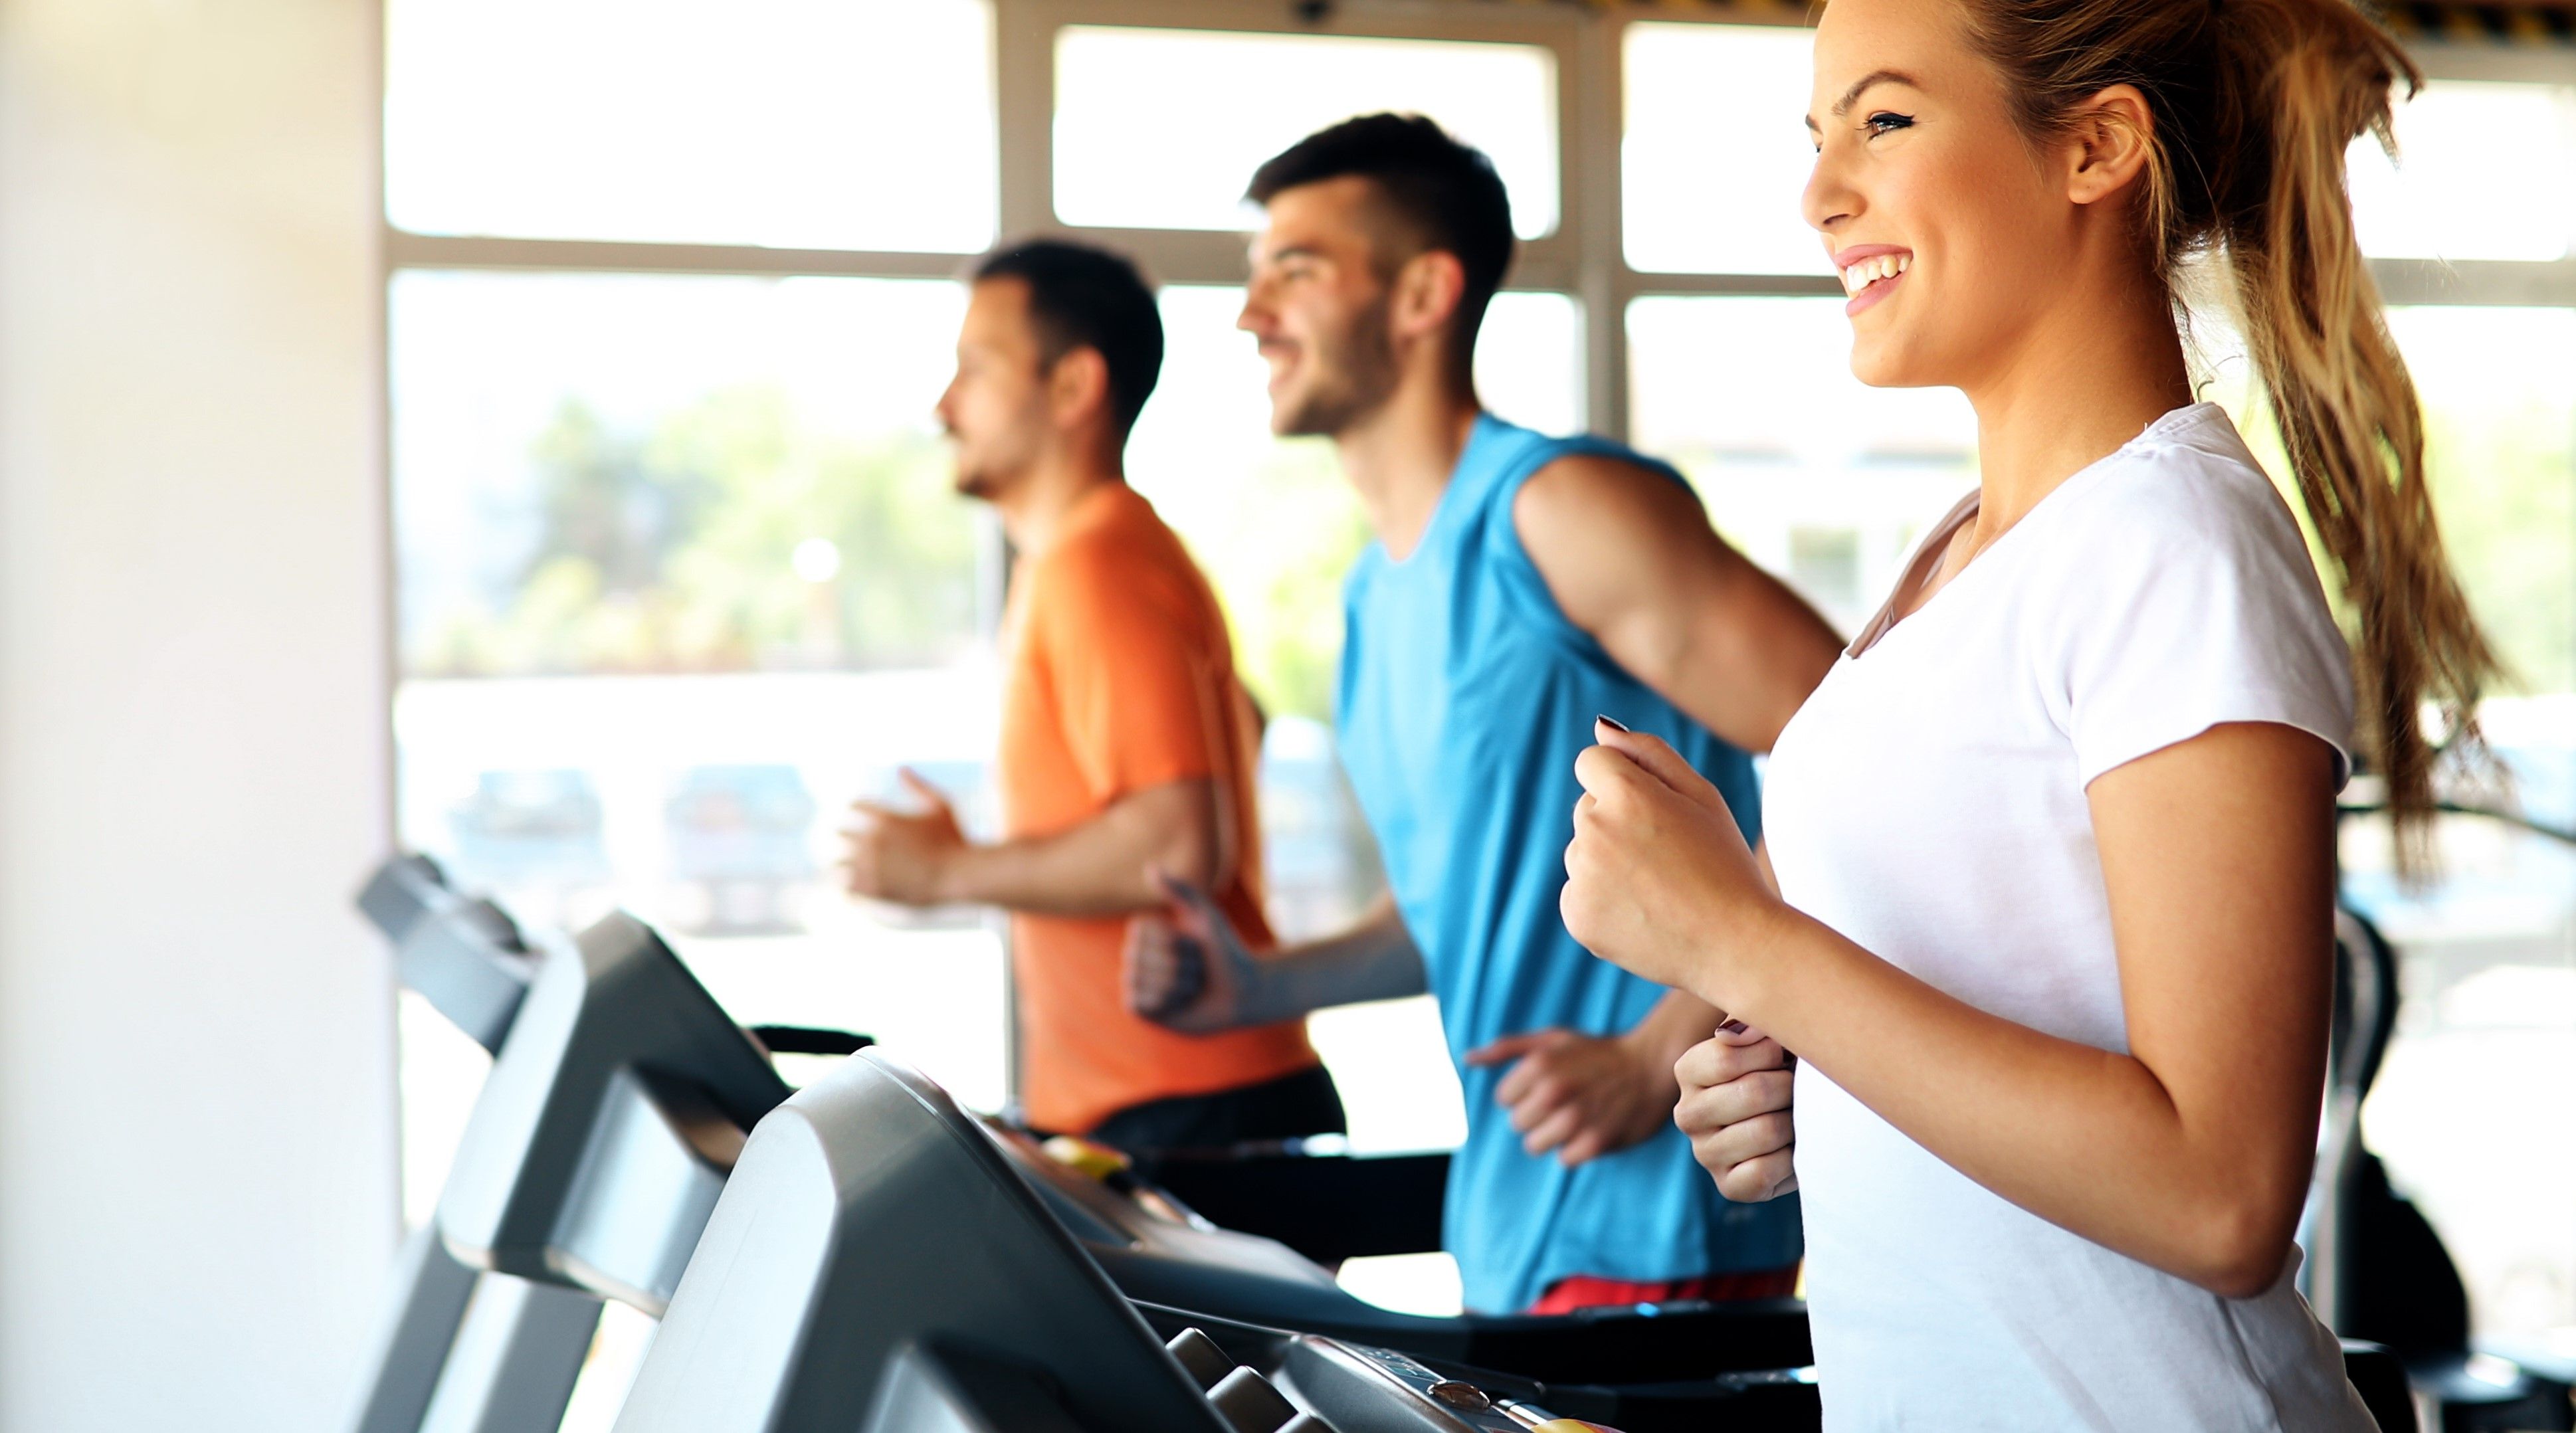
point(1928, 803)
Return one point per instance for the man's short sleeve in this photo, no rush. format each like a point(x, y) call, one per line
point(2195, 605)
point(1140, 688)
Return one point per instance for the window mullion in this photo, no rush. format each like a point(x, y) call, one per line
point(1024, 120)
point(2473, 282)
point(406, 250)
point(1594, 123)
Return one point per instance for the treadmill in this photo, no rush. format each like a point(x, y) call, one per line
point(619, 1101)
point(612, 1130)
point(619, 1096)
point(879, 1262)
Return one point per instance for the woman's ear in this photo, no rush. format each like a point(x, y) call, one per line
point(2107, 145)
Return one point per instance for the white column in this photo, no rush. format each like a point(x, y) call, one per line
point(197, 1197)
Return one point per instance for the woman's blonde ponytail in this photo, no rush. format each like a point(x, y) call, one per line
point(2255, 103)
point(2339, 390)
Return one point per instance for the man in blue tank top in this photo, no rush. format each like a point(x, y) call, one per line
point(1519, 586)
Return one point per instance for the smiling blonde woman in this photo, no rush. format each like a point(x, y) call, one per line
point(2050, 933)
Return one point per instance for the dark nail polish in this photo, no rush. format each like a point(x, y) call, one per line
point(1734, 1027)
point(1612, 722)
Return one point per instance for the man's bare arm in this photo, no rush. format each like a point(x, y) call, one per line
point(1630, 558)
point(1188, 969)
point(1102, 867)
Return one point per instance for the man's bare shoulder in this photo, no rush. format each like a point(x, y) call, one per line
point(1584, 503)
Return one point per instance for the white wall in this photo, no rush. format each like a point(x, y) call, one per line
point(196, 1108)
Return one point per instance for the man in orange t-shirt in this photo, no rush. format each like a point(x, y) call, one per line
point(1128, 745)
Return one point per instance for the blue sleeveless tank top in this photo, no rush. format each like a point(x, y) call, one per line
point(1465, 697)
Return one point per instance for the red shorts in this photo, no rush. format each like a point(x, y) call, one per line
point(1582, 1291)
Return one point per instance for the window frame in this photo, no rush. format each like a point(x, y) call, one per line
point(2484, 282)
point(1585, 257)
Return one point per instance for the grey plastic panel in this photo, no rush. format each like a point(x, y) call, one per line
point(954, 1391)
point(398, 892)
point(611, 1017)
point(450, 959)
point(868, 1214)
point(464, 956)
point(649, 1178)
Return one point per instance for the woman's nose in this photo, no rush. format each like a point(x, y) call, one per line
point(1828, 202)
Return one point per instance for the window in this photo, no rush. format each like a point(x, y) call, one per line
point(1821, 480)
point(681, 576)
point(762, 122)
point(1697, 207)
point(2461, 187)
point(663, 473)
point(2488, 955)
point(1122, 160)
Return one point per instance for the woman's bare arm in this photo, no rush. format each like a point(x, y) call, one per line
point(2191, 1152)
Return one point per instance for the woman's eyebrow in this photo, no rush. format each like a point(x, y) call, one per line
point(1862, 86)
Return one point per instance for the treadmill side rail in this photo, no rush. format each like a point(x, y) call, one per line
point(428, 1299)
point(515, 1360)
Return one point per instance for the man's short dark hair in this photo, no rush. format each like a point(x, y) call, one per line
point(1086, 297)
point(1446, 193)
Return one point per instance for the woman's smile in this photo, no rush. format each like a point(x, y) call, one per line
point(1870, 272)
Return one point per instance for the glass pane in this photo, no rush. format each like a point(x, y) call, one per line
point(2499, 392)
point(680, 576)
point(795, 123)
point(2498, 386)
point(1716, 156)
point(1529, 360)
point(605, 472)
point(2464, 187)
point(1824, 481)
point(1125, 157)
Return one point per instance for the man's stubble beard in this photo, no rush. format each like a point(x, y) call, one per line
point(1354, 374)
point(988, 474)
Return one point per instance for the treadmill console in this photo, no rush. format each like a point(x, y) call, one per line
point(876, 1263)
point(1740, 1366)
point(1365, 1390)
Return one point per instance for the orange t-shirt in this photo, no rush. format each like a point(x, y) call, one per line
point(1121, 677)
